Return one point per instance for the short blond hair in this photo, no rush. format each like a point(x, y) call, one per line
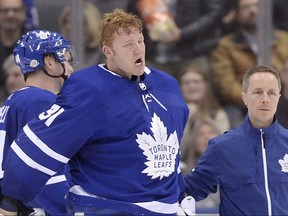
point(115, 20)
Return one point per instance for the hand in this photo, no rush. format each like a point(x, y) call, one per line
point(173, 37)
point(7, 213)
point(230, 17)
point(193, 110)
point(187, 206)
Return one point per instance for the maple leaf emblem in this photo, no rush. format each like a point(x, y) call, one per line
point(159, 149)
point(43, 34)
point(284, 163)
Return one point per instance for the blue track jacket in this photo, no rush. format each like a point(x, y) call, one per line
point(251, 167)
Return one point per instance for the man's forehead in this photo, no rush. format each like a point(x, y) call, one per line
point(127, 31)
point(12, 3)
point(257, 86)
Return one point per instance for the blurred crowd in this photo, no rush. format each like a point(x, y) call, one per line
point(207, 45)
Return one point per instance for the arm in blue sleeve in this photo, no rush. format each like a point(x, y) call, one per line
point(202, 181)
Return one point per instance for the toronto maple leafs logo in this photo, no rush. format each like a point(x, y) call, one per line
point(159, 149)
point(34, 63)
point(42, 34)
point(284, 163)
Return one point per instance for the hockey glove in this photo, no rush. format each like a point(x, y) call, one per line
point(187, 207)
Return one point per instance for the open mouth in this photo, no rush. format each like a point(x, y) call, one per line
point(138, 61)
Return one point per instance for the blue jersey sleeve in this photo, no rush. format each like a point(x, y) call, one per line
point(46, 144)
point(17, 110)
point(202, 181)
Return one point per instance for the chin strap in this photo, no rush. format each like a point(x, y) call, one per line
point(54, 76)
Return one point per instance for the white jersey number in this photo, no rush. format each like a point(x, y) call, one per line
point(51, 114)
point(2, 143)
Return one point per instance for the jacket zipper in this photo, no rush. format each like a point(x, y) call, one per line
point(265, 172)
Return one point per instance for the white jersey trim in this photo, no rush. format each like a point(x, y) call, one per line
point(159, 207)
point(56, 179)
point(31, 163)
point(146, 69)
point(77, 189)
point(154, 206)
point(41, 145)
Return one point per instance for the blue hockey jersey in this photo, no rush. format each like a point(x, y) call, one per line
point(121, 138)
point(18, 109)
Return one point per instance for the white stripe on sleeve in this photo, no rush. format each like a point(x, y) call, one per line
point(43, 146)
point(26, 159)
point(56, 179)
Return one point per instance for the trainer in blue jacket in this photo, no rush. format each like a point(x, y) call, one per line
point(249, 163)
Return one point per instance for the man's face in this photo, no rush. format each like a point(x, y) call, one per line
point(262, 98)
point(56, 68)
point(12, 14)
point(126, 56)
point(204, 133)
point(193, 86)
point(247, 14)
point(14, 80)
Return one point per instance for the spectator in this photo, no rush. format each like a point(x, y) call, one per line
point(282, 109)
point(92, 17)
point(184, 29)
point(14, 77)
point(193, 146)
point(207, 119)
point(228, 16)
point(196, 89)
point(236, 52)
point(280, 17)
point(195, 142)
point(248, 163)
point(12, 26)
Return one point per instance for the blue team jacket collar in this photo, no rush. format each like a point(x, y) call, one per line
point(271, 130)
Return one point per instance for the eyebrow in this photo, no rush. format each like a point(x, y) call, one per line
point(255, 89)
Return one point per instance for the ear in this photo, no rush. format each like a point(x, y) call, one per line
point(107, 51)
point(244, 98)
point(48, 61)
